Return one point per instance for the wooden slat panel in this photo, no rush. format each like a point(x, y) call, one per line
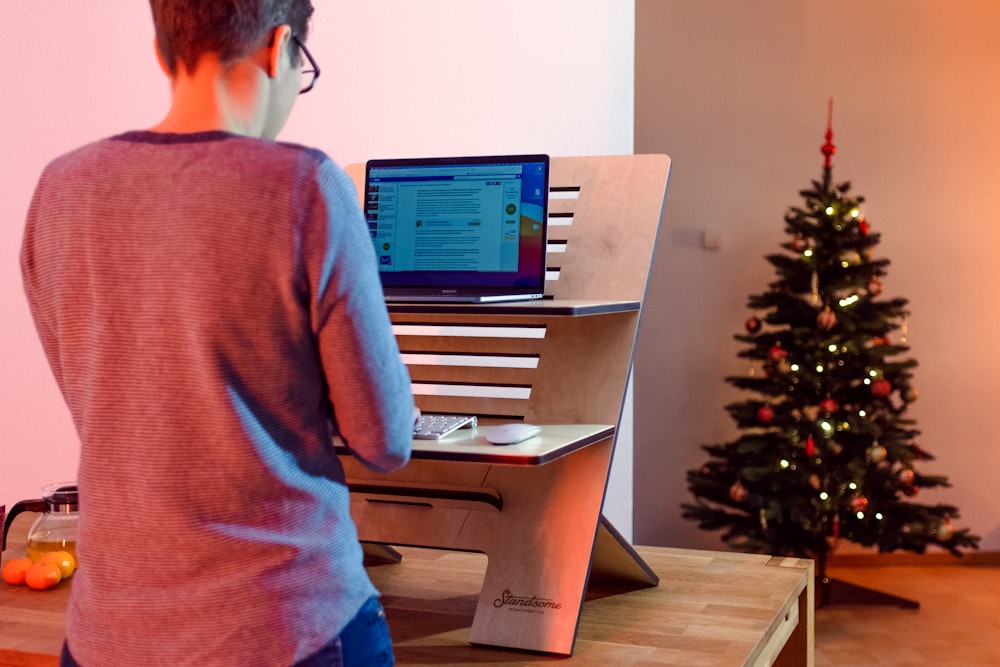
point(582, 369)
point(499, 329)
point(469, 345)
point(471, 360)
point(446, 317)
point(473, 375)
point(454, 389)
point(614, 230)
point(472, 406)
point(503, 376)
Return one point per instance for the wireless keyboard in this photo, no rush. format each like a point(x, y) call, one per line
point(433, 427)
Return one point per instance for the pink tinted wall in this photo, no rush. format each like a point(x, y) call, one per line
point(435, 77)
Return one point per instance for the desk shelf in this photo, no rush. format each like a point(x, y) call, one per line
point(545, 306)
point(470, 445)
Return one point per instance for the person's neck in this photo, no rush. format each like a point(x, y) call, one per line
point(215, 97)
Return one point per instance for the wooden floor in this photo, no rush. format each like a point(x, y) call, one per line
point(958, 622)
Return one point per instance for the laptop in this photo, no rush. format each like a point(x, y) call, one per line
point(459, 229)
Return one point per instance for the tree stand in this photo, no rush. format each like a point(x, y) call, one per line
point(835, 592)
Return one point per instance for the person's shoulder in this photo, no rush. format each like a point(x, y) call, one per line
point(300, 157)
point(79, 157)
point(308, 151)
point(328, 171)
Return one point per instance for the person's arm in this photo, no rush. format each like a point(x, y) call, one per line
point(369, 386)
point(33, 287)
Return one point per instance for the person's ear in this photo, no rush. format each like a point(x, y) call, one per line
point(278, 46)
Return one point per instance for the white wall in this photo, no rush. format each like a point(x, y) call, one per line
point(399, 78)
point(737, 93)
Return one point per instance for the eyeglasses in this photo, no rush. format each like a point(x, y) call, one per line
point(310, 74)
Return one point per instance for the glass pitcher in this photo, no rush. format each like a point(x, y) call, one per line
point(56, 528)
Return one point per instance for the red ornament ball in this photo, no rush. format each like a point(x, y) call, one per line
point(859, 504)
point(827, 319)
point(765, 414)
point(738, 492)
point(810, 446)
point(828, 405)
point(798, 244)
point(777, 353)
point(881, 388)
point(863, 226)
point(753, 325)
point(906, 476)
point(875, 287)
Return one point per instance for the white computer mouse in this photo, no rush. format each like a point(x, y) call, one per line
point(508, 434)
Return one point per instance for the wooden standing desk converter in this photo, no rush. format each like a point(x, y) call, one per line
point(562, 363)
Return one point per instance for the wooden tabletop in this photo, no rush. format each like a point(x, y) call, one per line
point(32, 623)
point(710, 609)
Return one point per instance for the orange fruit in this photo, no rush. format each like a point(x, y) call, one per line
point(63, 559)
point(41, 576)
point(15, 569)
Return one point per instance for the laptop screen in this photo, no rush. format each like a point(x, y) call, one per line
point(459, 228)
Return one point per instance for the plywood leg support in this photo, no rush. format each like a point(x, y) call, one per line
point(539, 542)
point(616, 564)
point(538, 560)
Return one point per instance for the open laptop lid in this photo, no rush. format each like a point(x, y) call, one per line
point(459, 228)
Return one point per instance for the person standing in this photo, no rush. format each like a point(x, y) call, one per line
point(208, 301)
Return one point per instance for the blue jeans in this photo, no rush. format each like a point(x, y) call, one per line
point(364, 642)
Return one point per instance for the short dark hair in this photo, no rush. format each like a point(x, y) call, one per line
point(232, 29)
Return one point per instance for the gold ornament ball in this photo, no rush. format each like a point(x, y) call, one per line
point(849, 258)
point(944, 531)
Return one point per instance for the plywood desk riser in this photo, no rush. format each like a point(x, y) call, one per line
point(537, 517)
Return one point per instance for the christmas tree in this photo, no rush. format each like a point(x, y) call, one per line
point(826, 452)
